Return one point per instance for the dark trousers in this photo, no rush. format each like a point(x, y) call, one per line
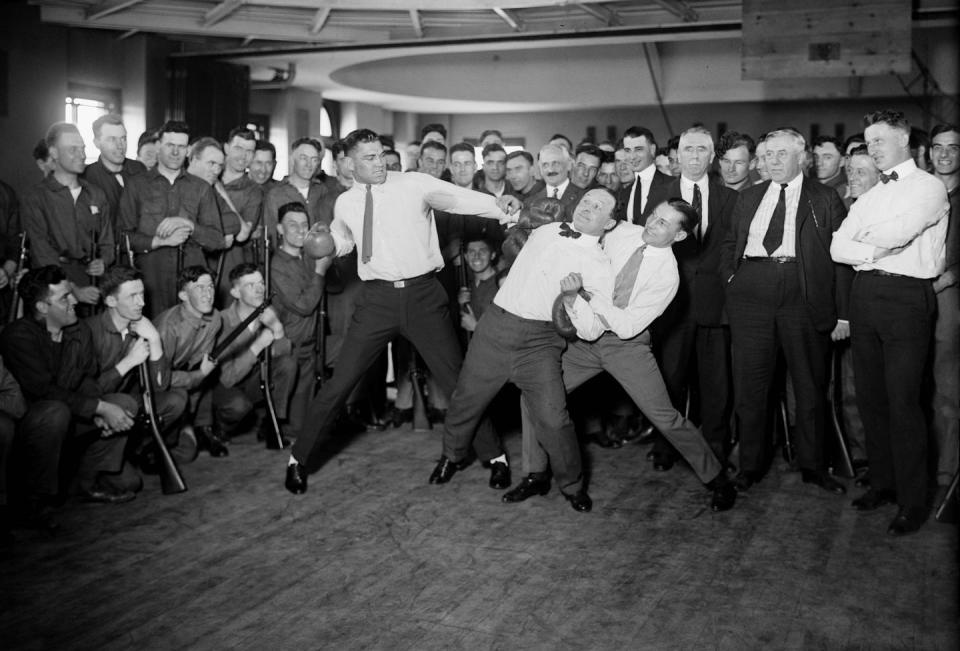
point(679, 344)
point(891, 323)
point(232, 404)
point(507, 348)
point(632, 364)
point(767, 312)
point(8, 430)
point(419, 312)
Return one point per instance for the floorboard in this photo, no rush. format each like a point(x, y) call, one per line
point(372, 557)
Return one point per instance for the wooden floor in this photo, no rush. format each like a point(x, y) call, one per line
point(372, 557)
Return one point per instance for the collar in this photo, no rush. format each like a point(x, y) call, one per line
point(903, 170)
point(562, 188)
point(154, 173)
point(687, 184)
point(646, 174)
point(584, 240)
point(52, 184)
point(189, 317)
point(658, 251)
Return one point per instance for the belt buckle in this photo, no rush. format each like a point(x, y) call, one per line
point(399, 284)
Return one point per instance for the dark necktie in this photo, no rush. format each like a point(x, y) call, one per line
point(367, 248)
point(556, 193)
point(637, 201)
point(566, 231)
point(886, 178)
point(627, 278)
point(774, 237)
point(698, 206)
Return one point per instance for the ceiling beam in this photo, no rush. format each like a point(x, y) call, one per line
point(417, 24)
point(221, 11)
point(248, 40)
point(509, 18)
point(680, 9)
point(320, 19)
point(601, 13)
point(127, 34)
point(108, 7)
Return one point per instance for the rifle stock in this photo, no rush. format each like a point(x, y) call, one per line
point(274, 437)
point(15, 300)
point(171, 481)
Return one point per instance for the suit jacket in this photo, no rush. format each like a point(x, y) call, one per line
point(700, 296)
point(824, 285)
point(659, 192)
point(569, 200)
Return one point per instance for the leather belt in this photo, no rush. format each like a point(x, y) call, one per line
point(783, 259)
point(406, 282)
point(888, 274)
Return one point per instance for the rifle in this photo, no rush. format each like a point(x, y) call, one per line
point(15, 300)
point(320, 343)
point(171, 481)
point(421, 420)
point(126, 239)
point(464, 281)
point(275, 436)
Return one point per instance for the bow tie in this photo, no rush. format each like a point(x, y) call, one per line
point(566, 231)
point(886, 178)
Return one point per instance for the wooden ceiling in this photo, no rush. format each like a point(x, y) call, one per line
point(254, 24)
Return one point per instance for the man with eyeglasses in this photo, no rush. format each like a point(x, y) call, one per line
point(170, 217)
point(238, 389)
point(300, 185)
point(67, 219)
point(784, 291)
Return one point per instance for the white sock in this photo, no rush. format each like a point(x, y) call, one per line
point(501, 459)
point(292, 461)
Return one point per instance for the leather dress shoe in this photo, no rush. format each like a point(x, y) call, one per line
point(908, 520)
point(296, 481)
point(445, 470)
point(499, 475)
point(528, 487)
point(662, 461)
point(580, 501)
point(724, 493)
point(746, 479)
point(873, 499)
point(212, 440)
point(823, 480)
point(104, 496)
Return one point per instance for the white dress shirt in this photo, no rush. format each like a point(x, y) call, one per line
point(646, 179)
point(405, 243)
point(656, 285)
point(686, 192)
point(533, 283)
point(560, 189)
point(761, 221)
point(910, 212)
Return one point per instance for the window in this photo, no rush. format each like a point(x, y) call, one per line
point(84, 105)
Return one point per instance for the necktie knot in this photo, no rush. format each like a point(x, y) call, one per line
point(566, 231)
point(886, 178)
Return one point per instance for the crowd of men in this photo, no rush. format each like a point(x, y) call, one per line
point(711, 279)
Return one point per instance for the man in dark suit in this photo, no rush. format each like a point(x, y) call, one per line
point(784, 291)
point(694, 322)
point(555, 165)
point(637, 200)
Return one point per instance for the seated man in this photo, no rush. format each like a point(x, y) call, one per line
point(612, 327)
point(68, 413)
point(188, 332)
point(238, 390)
point(298, 282)
point(516, 342)
point(123, 339)
point(12, 408)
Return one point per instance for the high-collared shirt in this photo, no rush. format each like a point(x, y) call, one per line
point(62, 370)
point(111, 347)
point(150, 198)
point(298, 289)
point(556, 192)
point(646, 180)
point(533, 283)
point(910, 212)
point(405, 242)
point(761, 221)
point(686, 193)
point(61, 230)
point(656, 285)
point(186, 338)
